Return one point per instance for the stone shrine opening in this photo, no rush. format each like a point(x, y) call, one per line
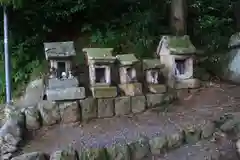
point(131, 75)
point(100, 75)
point(180, 66)
point(61, 67)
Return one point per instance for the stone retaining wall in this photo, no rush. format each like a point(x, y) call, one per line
point(46, 113)
point(142, 147)
point(49, 113)
point(12, 131)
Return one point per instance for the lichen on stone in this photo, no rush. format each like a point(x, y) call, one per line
point(181, 45)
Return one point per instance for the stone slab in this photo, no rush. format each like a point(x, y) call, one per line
point(32, 118)
point(74, 93)
point(54, 83)
point(157, 88)
point(31, 156)
point(88, 108)
point(104, 91)
point(131, 89)
point(138, 104)
point(188, 83)
point(49, 112)
point(154, 100)
point(33, 94)
point(70, 111)
point(203, 150)
point(105, 107)
point(122, 105)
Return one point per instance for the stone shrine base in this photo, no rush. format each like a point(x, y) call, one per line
point(131, 89)
point(188, 83)
point(104, 91)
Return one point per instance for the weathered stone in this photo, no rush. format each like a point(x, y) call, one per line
point(73, 93)
point(105, 107)
point(119, 152)
point(203, 150)
point(154, 100)
point(54, 83)
point(229, 125)
point(226, 65)
point(188, 83)
point(10, 139)
point(33, 94)
point(140, 149)
point(158, 144)
point(68, 154)
point(32, 116)
point(122, 105)
point(13, 113)
point(157, 88)
point(8, 148)
point(175, 139)
point(93, 154)
point(208, 129)
point(104, 92)
point(89, 108)
point(138, 104)
point(70, 112)
point(131, 89)
point(60, 50)
point(192, 134)
point(6, 156)
point(49, 112)
point(221, 119)
point(170, 96)
point(31, 156)
point(11, 127)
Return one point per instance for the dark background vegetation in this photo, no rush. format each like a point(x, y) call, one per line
point(128, 25)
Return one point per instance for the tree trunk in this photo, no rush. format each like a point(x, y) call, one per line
point(236, 7)
point(178, 17)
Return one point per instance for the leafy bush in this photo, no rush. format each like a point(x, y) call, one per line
point(128, 25)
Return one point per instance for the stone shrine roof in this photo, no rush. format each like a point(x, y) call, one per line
point(126, 59)
point(59, 49)
point(95, 55)
point(177, 45)
point(152, 64)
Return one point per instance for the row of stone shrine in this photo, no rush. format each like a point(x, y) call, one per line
point(102, 65)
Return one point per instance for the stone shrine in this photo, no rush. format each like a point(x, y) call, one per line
point(176, 53)
point(154, 79)
point(60, 55)
point(129, 84)
point(61, 84)
point(100, 62)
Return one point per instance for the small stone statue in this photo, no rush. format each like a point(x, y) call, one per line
point(154, 77)
point(64, 75)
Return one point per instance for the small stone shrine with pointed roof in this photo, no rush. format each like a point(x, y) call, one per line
point(154, 79)
point(129, 84)
point(176, 53)
point(100, 62)
point(61, 84)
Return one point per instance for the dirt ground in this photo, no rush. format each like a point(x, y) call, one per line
point(194, 107)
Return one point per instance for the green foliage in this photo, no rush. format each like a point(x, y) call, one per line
point(128, 25)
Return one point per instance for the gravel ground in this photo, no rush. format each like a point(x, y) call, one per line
point(194, 108)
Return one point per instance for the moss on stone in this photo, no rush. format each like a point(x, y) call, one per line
point(181, 45)
point(179, 42)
